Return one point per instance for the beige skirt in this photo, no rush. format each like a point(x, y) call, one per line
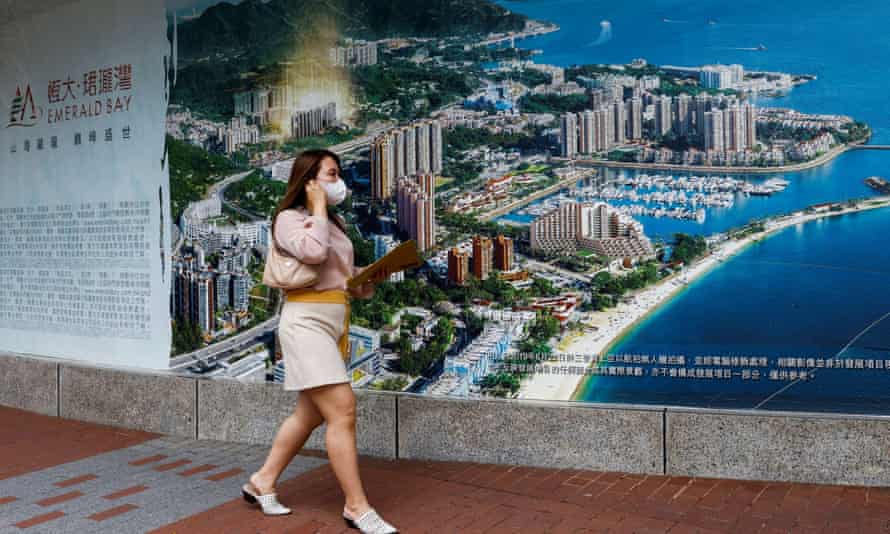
point(309, 334)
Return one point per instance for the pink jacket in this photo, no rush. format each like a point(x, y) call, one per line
point(316, 240)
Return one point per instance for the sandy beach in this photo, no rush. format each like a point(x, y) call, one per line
point(614, 323)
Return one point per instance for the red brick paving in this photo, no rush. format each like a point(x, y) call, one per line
point(61, 441)
point(112, 512)
point(225, 474)
point(451, 497)
point(50, 501)
point(199, 469)
point(74, 481)
point(172, 465)
point(126, 492)
point(37, 520)
point(465, 498)
point(149, 459)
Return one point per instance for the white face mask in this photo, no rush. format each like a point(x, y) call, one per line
point(336, 191)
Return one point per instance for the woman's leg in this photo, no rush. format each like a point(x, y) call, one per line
point(336, 402)
point(292, 434)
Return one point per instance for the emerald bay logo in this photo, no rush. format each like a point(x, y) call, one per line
point(24, 112)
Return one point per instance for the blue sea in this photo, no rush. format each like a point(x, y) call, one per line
point(807, 292)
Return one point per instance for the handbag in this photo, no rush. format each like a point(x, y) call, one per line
point(284, 271)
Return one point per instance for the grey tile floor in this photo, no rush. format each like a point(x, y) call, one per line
point(168, 495)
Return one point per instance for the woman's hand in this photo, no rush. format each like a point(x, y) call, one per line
point(366, 290)
point(316, 198)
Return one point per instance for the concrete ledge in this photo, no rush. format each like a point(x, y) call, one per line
point(732, 444)
point(780, 446)
point(229, 410)
point(29, 384)
point(151, 402)
point(542, 434)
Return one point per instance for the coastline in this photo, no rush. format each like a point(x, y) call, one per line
point(813, 163)
point(619, 321)
point(538, 28)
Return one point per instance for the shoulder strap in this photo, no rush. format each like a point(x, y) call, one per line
point(274, 239)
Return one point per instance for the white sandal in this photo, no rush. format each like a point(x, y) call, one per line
point(370, 523)
point(268, 502)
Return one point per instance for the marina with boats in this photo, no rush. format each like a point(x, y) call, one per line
point(662, 195)
point(703, 184)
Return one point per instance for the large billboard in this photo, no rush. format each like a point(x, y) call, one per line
point(615, 203)
point(628, 203)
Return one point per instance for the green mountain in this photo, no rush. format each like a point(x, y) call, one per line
point(256, 25)
point(230, 47)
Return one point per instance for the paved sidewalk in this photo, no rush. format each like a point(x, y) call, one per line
point(59, 476)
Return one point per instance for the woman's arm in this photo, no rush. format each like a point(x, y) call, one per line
point(305, 237)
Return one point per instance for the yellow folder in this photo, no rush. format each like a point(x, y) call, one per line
point(398, 259)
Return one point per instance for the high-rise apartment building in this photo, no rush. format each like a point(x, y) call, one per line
point(405, 151)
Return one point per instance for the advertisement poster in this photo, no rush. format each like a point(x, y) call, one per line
point(610, 207)
point(614, 204)
point(84, 195)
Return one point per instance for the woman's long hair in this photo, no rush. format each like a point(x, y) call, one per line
point(306, 167)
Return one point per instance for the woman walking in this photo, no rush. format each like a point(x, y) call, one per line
point(313, 331)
